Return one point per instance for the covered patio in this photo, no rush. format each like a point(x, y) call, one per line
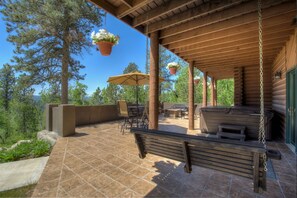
point(98, 161)
point(220, 38)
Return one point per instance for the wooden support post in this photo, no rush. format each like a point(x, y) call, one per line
point(213, 92)
point(238, 86)
point(154, 81)
point(204, 101)
point(187, 158)
point(191, 96)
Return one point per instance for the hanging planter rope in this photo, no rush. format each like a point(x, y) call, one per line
point(173, 67)
point(105, 41)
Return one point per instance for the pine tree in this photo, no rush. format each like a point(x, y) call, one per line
point(111, 94)
point(7, 81)
point(165, 58)
point(51, 94)
point(25, 110)
point(96, 97)
point(78, 94)
point(48, 35)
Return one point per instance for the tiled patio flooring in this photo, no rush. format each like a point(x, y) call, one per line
point(101, 162)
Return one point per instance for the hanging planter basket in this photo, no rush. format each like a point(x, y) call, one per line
point(105, 41)
point(173, 67)
point(196, 80)
point(172, 70)
point(105, 47)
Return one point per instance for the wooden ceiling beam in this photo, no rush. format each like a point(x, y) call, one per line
point(124, 10)
point(128, 3)
point(238, 57)
point(224, 52)
point(113, 11)
point(192, 13)
point(234, 31)
point(244, 44)
point(252, 53)
point(217, 66)
point(229, 13)
point(268, 33)
point(241, 59)
point(105, 6)
point(268, 20)
point(159, 11)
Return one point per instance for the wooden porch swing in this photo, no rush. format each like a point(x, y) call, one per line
point(246, 159)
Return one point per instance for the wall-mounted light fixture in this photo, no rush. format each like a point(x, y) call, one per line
point(278, 75)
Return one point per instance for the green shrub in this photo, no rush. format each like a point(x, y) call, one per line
point(36, 148)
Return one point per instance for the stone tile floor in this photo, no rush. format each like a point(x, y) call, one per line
point(101, 162)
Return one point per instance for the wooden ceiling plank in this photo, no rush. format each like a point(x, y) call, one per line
point(222, 33)
point(128, 3)
point(124, 11)
point(233, 54)
point(113, 10)
point(281, 15)
point(160, 11)
point(235, 39)
point(239, 58)
point(233, 12)
point(248, 43)
point(105, 6)
point(252, 53)
point(190, 14)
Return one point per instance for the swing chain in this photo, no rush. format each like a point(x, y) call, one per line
point(261, 127)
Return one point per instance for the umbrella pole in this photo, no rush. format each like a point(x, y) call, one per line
point(137, 105)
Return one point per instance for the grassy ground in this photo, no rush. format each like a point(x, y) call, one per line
point(26, 191)
point(36, 148)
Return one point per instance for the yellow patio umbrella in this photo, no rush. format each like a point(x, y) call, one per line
point(133, 79)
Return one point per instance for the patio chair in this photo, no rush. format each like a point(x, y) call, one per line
point(144, 121)
point(185, 112)
point(123, 112)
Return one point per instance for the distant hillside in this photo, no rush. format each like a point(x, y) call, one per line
point(36, 98)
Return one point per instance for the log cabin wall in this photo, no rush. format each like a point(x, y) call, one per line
point(247, 86)
point(284, 61)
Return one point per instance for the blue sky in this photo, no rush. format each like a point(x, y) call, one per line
point(132, 48)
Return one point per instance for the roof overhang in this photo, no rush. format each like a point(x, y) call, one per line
point(217, 35)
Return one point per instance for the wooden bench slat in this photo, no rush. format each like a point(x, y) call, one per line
point(154, 141)
point(203, 149)
point(221, 163)
point(165, 149)
point(162, 154)
point(165, 146)
point(207, 165)
point(223, 158)
point(243, 152)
